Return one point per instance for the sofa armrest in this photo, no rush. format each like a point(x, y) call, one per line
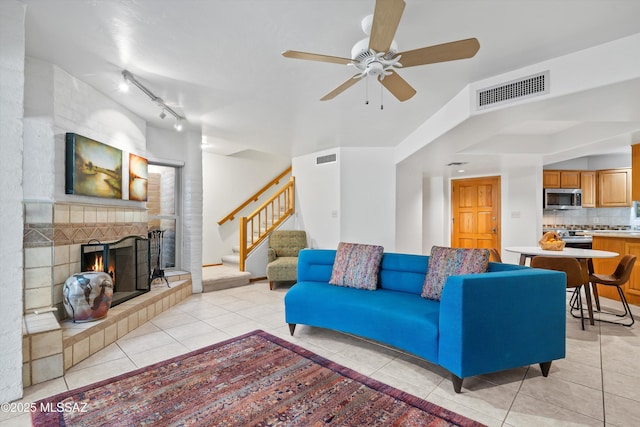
point(502, 320)
point(271, 255)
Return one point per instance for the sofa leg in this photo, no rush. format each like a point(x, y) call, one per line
point(544, 367)
point(457, 383)
point(292, 327)
point(270, 285)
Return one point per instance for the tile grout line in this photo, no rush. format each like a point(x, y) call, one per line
point(604, 412)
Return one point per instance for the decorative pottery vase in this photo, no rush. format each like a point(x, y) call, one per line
point(87, 295)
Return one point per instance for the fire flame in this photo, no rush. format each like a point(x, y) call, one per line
point(97, 265)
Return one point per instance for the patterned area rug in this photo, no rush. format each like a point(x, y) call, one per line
point(256, 379)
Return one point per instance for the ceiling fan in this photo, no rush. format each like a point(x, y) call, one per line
point(377, 55)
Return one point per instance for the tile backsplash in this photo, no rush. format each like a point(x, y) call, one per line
point(593, 217)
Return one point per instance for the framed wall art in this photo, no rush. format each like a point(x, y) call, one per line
point(138, 178)
point(92, 168)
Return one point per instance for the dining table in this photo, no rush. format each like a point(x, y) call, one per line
point(584, 257)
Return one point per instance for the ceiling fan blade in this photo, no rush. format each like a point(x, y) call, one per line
point(398, 87)
point(451, 51)
point(344, 86)
point(315, 57)
point(386, 18)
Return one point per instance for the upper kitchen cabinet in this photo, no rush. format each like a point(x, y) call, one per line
point(588, 184)
point(635, 172)
point(614, 188)
point(560, 179)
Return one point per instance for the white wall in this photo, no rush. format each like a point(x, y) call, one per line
point(435, 218)
point(605, 161)
point(57, 103)
point(409, 212)
point(318, 198)
point(12, 34)
point(165, 144)
point(350, 200)
point(368, 196)
point(521, 209)
point(229, 181)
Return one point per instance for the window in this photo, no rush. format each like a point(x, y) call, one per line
point(163, 214)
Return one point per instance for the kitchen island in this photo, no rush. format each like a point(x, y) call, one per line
point(622, 242)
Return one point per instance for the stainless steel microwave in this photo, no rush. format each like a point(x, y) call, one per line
point(562, 198)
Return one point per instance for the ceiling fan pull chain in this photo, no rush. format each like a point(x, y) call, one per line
point(381, 94)
point(366, 102)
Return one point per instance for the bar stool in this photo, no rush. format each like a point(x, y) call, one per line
point(617, 279)
point(576, 277)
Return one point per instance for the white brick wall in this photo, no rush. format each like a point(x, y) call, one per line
point(12, 41)
point(184, 147)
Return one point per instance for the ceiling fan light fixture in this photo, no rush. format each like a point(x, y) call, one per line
point(366, 24)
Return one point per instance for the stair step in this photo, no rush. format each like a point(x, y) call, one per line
point(231, 260)
point(223, 277)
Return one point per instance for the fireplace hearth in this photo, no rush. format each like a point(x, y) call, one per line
point(126, 261)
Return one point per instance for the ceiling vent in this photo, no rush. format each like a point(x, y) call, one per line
point(329, 158)
point(515, 90)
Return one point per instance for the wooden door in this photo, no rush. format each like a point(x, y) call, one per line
point(475, 205)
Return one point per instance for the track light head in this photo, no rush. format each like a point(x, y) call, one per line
point(178, 125)
point(163, 114)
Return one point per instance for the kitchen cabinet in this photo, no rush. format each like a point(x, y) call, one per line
point(550, 179)
point(635, 172)
point(588, 184)
point(569, 179)
point(623, 246)
point(614, 188)
point(560, 179)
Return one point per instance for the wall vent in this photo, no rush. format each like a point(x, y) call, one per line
point(329, 158)
point(515, 90)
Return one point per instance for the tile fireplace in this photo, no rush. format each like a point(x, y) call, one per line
point(126, 260)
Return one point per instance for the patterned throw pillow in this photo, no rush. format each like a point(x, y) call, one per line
point(356, 266)
point(445, 262)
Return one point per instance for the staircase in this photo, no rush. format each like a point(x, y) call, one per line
point(253, 230)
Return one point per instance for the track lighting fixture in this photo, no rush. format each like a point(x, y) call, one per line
point(124, 85)
point(129, 78)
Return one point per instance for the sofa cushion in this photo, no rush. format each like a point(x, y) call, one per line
point(356, 266)
point(445, 262)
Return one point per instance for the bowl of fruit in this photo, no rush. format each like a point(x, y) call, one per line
point(551, 241)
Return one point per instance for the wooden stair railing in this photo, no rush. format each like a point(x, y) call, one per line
point(256, 227)
point(254, 198)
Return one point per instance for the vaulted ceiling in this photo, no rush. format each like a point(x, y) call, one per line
point(219, 63)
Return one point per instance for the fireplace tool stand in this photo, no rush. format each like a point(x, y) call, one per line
point(155, 243)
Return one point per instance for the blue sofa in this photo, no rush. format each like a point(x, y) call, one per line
point(509, 316)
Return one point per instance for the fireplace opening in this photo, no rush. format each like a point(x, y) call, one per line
point(126, 261)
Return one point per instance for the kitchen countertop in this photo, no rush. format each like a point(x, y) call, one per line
point(625, 234)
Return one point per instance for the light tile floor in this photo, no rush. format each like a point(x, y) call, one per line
point(598, 383)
